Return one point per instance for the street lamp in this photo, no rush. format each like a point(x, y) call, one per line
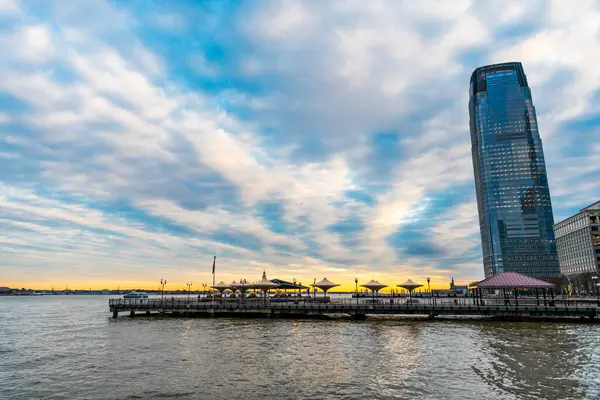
point(295, 283)
point(429, 289)
point(243, 287)
point(204, 288)
point(163, 282)
point(595, 280)
point(356, 288)
point(189, 285)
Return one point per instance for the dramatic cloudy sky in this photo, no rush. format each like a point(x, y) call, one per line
point(318, 138)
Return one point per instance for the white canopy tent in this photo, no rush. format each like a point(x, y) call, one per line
point(325, 284)
point(242, 286)
point(264, 284)
point(374, 286)
point(410, 286)
point(221, 286)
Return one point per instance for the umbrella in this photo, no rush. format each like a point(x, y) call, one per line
point(264, 284)
point(374, 286)
point(325, 285)
point(410, 286)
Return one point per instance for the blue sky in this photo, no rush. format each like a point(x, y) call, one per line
point(140, 138)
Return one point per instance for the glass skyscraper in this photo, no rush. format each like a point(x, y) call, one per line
point(513, 200)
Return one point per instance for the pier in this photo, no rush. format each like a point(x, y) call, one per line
point(355, 308)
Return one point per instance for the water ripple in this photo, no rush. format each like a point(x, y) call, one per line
point(68, 347)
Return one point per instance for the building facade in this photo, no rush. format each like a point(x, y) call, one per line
point(513, 199)
point(458, 289)
point(578, 245)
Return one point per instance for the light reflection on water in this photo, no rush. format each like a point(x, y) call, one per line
point(68, 347)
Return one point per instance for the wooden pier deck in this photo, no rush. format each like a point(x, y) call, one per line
point(350, 307)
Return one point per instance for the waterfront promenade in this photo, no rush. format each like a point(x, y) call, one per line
point(355, 308)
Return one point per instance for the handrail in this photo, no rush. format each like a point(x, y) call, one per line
point(351, 304)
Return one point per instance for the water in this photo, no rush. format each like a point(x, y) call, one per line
point(67, 347)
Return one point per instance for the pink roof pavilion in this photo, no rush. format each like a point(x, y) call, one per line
point(506, 280)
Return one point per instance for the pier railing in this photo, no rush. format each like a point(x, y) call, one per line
point(357, 308)
point(346, 303)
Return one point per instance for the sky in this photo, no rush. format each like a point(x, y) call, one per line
point(138, 139)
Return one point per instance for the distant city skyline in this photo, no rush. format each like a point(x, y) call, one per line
point(511, 182)
point(308, 139)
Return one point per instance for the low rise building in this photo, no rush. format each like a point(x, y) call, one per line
point(5, 291)
point(459, 289)
point(578, 246)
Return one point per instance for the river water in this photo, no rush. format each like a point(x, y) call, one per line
point(68, 347)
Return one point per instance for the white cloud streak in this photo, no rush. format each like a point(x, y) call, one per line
point(115, 126)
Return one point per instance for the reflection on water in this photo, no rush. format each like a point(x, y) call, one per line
point(68, 347)
point(541, 361)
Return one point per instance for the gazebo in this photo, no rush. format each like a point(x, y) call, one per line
point(410, 286)
point(514, 281)
point(374, 286)
point(325, 284)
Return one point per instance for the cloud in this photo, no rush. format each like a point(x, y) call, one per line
point(35, 43)
point(9, 7)
point(283, 20)
point(7, 155)
point(172, 22)
point(307, 138)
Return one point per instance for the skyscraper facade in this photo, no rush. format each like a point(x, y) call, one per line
point(513, 200)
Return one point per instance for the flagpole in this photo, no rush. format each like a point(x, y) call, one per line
point(213, 270)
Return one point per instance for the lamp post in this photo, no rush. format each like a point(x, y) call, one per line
point(299, 289)
point(595, 280)
point(356, 289)
point(189, 285)
point(204, 288)
point(429, 288)
point(243, 285)
point(295, 283)
point(163, 282)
